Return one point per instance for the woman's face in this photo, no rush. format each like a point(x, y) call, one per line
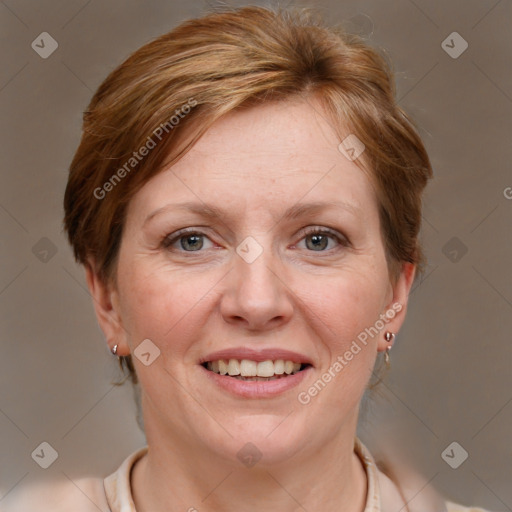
point(282, 259)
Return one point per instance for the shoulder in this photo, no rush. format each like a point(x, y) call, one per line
point(455, 507)
point(399, 484)
point(80, 495)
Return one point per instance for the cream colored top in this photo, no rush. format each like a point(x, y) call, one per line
point(113, 494)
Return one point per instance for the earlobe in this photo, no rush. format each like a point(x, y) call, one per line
point(397, 308)
point(107, 310)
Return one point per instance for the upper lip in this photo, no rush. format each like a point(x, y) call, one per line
point(266, 354)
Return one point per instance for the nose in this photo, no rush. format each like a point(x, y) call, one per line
point(256, 297)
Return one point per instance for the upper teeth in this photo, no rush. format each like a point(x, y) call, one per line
point(247, 368)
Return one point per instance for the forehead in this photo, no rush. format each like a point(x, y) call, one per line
point(278, 152)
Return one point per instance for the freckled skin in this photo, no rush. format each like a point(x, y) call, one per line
point(254, 164)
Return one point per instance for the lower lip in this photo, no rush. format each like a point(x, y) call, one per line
point(256, 389)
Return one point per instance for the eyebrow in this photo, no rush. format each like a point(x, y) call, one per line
point(212, 212)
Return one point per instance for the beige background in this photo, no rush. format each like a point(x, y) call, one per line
point(451, 367)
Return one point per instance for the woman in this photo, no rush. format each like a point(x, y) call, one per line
point(246, 201)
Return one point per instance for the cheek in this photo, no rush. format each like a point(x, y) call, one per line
point(346, 305)
point(165, 306)
point(345, 312)
point(342, 311)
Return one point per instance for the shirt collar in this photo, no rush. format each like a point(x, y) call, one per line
point(118, 487)
point(120, 499)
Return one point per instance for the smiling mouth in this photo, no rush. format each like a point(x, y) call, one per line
point(248, 370)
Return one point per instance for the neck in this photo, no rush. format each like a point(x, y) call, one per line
point(171, 478)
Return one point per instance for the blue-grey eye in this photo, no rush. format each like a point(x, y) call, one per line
point(193, 242)
point(319, 241)
point(187, 241)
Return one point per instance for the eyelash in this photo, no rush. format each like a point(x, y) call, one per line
point(169, 240)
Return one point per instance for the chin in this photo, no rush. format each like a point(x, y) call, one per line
point(263, 439)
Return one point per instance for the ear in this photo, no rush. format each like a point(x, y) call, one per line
point(397, 307)
point(106, 305)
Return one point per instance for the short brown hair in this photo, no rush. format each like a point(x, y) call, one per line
point(212, 66)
